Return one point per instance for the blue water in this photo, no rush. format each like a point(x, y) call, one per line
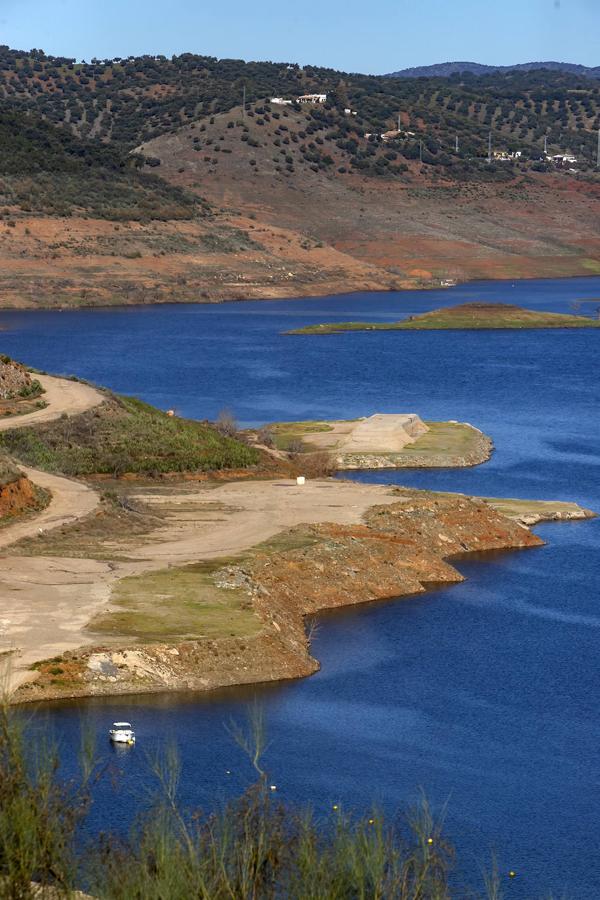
point(484, 694)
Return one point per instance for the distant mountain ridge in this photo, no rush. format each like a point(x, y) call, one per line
point(443, 70)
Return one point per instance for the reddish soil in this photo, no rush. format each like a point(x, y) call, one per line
point(310, 233)
point(16, 497)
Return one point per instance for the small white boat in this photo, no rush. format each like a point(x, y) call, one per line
point(122, 733)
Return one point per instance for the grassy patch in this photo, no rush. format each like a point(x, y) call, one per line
point(126, 435)
point(178, 604)
point(292, 539)
point(447, 438)
point(466, 316)
point(287, 434)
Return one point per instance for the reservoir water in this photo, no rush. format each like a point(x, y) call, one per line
point(484, 694)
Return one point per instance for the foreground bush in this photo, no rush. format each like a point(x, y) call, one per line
point(39, 814)
point(126, 435)
point(254, 847)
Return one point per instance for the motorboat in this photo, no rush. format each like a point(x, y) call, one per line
point(122, 733)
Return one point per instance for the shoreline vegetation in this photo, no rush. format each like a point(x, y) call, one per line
point(466, 316)
point(253, 844)
point(180, 577)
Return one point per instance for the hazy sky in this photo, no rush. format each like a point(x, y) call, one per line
point(354, 35)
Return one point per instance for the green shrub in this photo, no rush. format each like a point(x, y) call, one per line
point(126, 435)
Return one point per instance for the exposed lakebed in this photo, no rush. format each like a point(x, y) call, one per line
point(484, 693)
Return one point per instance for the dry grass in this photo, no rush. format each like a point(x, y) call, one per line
point(105, 534)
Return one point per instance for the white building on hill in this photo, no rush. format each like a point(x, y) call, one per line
point(312, 98)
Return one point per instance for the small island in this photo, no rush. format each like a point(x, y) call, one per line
point(466, 315)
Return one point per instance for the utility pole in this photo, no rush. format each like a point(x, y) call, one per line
point(399, 123)
point(489, 147)
point(545, 145)
point(244, 103)
point(457, 143)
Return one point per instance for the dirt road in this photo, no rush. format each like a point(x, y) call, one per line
point(62, 397)
point(43, 601)
point(71, 500)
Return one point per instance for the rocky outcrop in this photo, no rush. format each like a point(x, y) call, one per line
point(399, 550)
point(15, 380)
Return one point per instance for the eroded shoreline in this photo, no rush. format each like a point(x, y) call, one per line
point(401, 549)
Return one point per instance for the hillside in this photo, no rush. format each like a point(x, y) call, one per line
point(130, 101)
point(385, 185)
point(298, 182)
point(443, 70)
point(125, 435)
point(47, 169)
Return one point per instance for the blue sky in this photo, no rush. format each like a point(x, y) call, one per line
point(354, 35)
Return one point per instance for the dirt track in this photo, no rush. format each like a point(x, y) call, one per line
point(62, 396)
point(40, 598)
point(71, 500)
point(46, 601)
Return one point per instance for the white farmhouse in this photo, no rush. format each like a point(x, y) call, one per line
point(312, 98)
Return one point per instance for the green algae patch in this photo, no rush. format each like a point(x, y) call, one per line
point(467, 316)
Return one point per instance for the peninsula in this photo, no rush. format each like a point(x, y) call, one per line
point(141, 552)
point(470, 316)
point(384, 441)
